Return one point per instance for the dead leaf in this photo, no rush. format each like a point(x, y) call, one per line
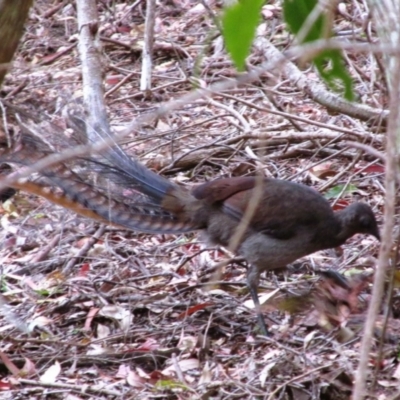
point(184, 365)
point(51, 374)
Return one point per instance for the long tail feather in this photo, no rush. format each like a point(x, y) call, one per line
point(136, 213)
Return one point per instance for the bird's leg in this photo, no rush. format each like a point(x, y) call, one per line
point(252, 283)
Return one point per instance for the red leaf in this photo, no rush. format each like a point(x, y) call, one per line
point(5, 385)
point(193, 309)
point(84, 270)
point(113, 79)
point(340, 205)
point(376, 168)
point(156, 375)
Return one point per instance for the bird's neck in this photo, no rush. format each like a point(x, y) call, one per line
point(346, 223)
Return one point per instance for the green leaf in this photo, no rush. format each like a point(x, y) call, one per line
point(43, 292)
point(170, 384)
point(331, 67)
point(295, 12)
point(329, 63)
point(336, 191)
point(39, 216)
point(239, 23)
